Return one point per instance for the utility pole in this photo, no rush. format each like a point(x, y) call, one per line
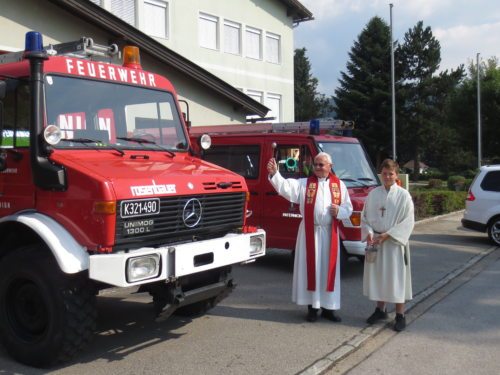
point(478, 113)
point(393, 91)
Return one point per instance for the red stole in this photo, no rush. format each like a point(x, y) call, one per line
point(310, 200)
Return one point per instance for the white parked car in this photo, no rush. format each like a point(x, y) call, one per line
point(482, 206)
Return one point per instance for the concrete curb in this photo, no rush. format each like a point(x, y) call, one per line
point(326, 363)
point(434, 218)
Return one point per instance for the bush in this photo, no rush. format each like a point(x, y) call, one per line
point(432, 203)
point(470, 173)
point(435, 183)
point(434, 173)
point(456, 183)
point(468, 182)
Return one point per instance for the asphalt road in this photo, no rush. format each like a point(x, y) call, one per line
point(454, 331)
point(256, 329)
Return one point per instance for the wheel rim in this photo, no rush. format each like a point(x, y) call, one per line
point(495, 232)
point(26, 310)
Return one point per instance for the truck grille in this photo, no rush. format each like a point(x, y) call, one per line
point(220, 213)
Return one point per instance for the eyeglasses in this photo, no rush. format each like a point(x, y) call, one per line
point(321, 165)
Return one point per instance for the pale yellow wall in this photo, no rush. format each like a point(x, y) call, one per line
point(240, 71)
point(58, 26)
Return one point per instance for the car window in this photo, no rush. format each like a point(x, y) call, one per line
point(243, 160)
point(491, 182)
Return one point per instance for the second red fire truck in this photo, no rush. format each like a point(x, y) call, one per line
point(245, 149)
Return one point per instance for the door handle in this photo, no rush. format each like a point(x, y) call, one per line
point(254, 193)
point(271, 193)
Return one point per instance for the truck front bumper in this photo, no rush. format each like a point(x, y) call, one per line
point(174, 261)
point(355, 247)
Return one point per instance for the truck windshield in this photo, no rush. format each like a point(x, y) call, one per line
point(120, 116)
point(350, 163)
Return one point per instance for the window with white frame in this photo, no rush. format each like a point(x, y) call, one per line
point(273, 102)
point(257, 96)
point(156, 19)
point(273, 48)
point(208, 31)
point(253, 43)
point(124, 9)
point(232, 37)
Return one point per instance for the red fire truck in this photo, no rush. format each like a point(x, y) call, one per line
point(99, 188)
point(245, 149)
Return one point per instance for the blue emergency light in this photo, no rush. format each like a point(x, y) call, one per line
point(314, 127)
point(33, 42)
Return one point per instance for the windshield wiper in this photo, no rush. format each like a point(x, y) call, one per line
point(88, 140)
point(146, 141)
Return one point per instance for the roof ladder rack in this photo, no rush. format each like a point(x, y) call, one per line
point(84, 48)
point(331, 125)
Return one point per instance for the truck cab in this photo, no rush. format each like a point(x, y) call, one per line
point(100, 188)
point(245, 149)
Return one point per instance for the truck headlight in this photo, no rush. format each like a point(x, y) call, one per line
point(256, 245)
point(143, 267)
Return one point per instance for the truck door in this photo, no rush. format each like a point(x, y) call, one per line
point(280, 218)
point(16, 187)
point(245, 159)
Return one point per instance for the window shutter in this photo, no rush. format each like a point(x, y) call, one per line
point(124, 9)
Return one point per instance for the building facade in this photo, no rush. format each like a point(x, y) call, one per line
point(246, 43)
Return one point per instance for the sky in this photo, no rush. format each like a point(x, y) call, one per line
point(462, 27)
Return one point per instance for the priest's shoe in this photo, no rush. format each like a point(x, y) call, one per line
point(312, 314)
point(330, 315)
point(377, 315)
point(400, 323)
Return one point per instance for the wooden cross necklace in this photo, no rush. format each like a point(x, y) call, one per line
point(382, 210)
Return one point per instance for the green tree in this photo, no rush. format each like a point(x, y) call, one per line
point(440, 143)
point(309, 103)
point(418, 60)
point(462, 115)
point(364, 93)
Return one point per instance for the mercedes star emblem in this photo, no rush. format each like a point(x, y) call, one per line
point(191, 215)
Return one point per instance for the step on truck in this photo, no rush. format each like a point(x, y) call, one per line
point(99, 188)
point(246, 149)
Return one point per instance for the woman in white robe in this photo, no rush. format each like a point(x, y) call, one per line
point(387, 222)
point(294, 190)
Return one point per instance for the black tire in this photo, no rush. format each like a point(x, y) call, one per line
point(494, 230)
point(46, 316)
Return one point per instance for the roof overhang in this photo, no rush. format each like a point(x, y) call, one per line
point(125, 33)
point(297, 11)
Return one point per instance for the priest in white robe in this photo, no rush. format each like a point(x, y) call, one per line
point(323, 200)
point(387, 221)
